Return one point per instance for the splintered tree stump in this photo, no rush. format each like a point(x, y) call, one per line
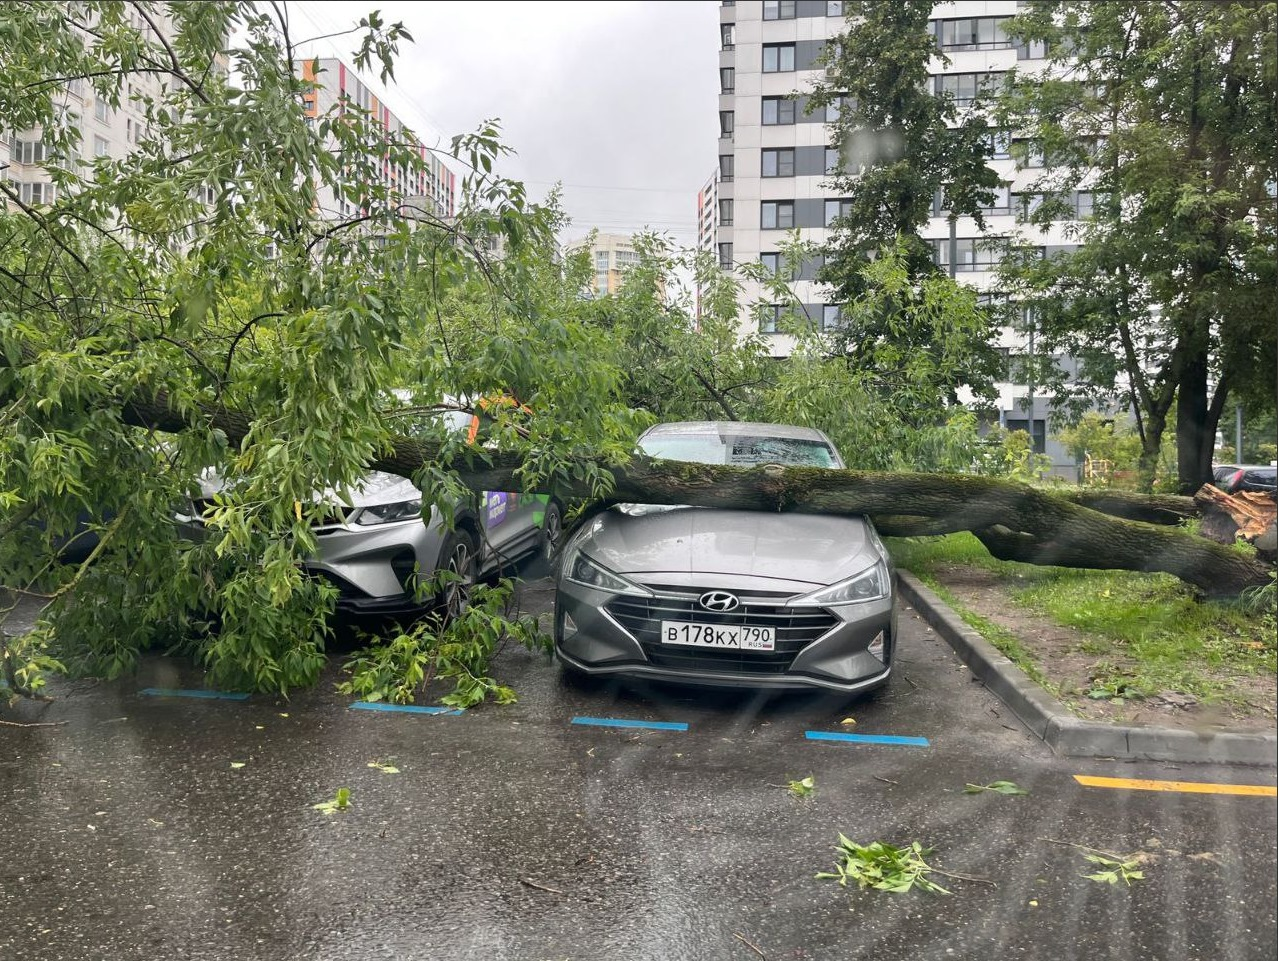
point(1247, 515)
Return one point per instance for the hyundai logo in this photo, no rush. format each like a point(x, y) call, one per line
point(720, 601)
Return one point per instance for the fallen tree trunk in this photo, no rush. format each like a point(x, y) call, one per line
point(1014, 521)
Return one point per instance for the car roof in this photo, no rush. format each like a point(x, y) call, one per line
point(738, 427)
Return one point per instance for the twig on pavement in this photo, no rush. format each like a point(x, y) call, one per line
point(749, 944)
point(539, 887)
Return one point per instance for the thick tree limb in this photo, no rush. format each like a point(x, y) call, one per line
point(1014, 521)
point(1169, 509)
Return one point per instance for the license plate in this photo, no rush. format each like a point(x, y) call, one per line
point(739, 637)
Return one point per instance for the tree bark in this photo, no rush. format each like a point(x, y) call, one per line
point(1013, 520)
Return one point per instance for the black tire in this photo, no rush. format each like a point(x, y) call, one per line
point(459, 555)
point(552, 529)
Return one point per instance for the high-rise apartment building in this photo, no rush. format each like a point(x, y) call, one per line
point(105, 131)
point(610, 256)
point(776, 160)
point(434, 188)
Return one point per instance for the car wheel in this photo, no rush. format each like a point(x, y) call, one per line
point(552, 528)
point(461, 558)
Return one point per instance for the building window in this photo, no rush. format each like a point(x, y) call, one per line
point(779, 9)
point(837, 107)
point(28, 151)
point(101, 146)
point(1084, 204)
point(771, 263)
point(999, 144)
point(1001, 204)
point(725, 213)
point(971, 253)
point(966, 87)
point(834, 8)
point(1028, 154)
point(833, 161)
point(725, 256)
point(727, 79)
point(1027, 205)
point(778, 111)
point(601, 260)
point(34, 194)
point(778, 57)
point(834, 209)
point(771, 318)
point(777, 214)
point(778, 163)
point(728, 34)
point(601, 282)
point(727, 164)
point(101, 110)
point(727, 122)
point(831, 316)
point(976, 33)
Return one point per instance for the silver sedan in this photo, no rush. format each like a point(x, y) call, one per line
point(726, 597)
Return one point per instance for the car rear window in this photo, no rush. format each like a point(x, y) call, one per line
point(739, 450)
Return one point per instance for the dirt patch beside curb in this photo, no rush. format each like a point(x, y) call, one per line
point(1071, 660)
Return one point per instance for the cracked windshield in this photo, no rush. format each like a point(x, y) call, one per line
point(638, 481)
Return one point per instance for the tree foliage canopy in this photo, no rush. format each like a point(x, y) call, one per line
point(1164, 116)
point(190, 307)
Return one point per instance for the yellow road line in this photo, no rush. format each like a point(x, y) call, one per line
point(1184, 787)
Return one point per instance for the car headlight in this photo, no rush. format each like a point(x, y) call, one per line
point(389, 513)
point(581, 569)
point(870, 585)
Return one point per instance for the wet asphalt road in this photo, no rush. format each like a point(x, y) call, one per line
point(125, 833)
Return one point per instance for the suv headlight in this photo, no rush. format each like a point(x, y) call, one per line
point(390, 513)
point(581, 569)
point(870, 585)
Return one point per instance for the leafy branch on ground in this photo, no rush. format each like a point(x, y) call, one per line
point(340, 802)
point(883, 866)
point(802, 788)
point(458, 649)
point(996, 787)
point(1113, 867)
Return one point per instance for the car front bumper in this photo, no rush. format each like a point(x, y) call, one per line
point(594, 635)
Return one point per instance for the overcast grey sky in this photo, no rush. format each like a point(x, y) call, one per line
point(617, 100)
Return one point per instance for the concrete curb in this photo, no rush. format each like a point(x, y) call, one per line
point(1064, 733)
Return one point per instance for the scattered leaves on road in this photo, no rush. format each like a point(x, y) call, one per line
point(236, 765)
point(803, 788)
point(384, 768)
point(340, 802)
point(997, 787)
point(883, 866)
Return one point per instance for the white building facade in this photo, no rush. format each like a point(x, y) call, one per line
point(775, 162)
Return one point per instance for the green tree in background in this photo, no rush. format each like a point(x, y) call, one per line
point(1161, 118)
point(901, 148)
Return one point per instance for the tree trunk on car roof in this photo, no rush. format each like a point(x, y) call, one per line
point(1014, 521)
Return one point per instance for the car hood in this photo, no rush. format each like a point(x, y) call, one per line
point(373, 489)
point(817, 549)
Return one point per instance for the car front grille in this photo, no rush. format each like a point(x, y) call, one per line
point(795, 629)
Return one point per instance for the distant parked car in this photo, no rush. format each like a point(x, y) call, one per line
point(375, 548)
point(1232, 478)
point(733, 598)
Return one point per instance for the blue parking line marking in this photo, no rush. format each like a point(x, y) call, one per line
point(176, 692)
point(405, 708)
point(865, 738)
point(625, 722)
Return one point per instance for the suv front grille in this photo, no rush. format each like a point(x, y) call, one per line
point(795, 629)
